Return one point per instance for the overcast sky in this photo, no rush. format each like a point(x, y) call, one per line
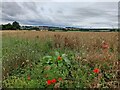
point(77, 14)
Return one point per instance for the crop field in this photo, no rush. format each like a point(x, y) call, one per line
point(43, 59)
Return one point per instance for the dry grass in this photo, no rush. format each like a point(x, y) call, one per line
point(89, 40)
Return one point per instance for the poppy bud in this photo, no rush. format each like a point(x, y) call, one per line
point(59, 58)
point(28, 77)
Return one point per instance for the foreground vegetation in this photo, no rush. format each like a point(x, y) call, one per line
point(60, 60)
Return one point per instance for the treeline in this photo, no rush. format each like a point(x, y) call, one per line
point(100, 30)
point(14, 26)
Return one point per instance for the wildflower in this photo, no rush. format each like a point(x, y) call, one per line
point(27, 60)
point(96, 70)
point(59, 58)
point(31, 65)
point(48, 82)
point(57, 85)
point(60, 79)
point(53, 81)
point(3, 68)
point(105, 45)
point(28, 77)
point(23, 63)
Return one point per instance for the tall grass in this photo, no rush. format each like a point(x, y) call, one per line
point(22, 50)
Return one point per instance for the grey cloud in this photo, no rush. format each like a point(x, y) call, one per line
point(11, 8)
point(30, 6)
point(61, 14)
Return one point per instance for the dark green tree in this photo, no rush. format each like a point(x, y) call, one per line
point(15, 25)
point(7, 27)
point(35, 28)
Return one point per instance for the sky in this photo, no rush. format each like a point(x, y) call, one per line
point(72, 13)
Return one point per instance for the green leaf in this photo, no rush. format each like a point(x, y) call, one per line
point(57, 53)
point(47, 57)
point(60, 64)
point(64, 56)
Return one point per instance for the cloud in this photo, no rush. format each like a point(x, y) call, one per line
point(100, 14)
point(61, 0)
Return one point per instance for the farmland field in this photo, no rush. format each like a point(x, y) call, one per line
point(43, 59)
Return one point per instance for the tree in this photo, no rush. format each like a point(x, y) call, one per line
point(7, 27)
point(15, 25)
point(35, 28)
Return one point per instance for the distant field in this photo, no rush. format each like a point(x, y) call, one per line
point(47, 59)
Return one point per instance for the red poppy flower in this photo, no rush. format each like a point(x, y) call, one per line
point(96, 70)
point(28, 77)
point(60, 79)
point(53, 81)
point(59, 58)
point(48, 82)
